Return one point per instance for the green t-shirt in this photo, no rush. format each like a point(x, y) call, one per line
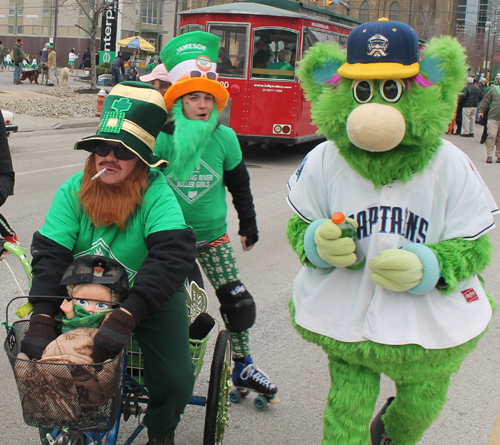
point(202, 197)
point(67, 225)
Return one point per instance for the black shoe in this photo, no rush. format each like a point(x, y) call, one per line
point(457, 133)
point(50, 84)
point(471, 135)
point(377, 429)
point(481, 141)
point(465, 135)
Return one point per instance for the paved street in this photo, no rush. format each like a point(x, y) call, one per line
point(43, 159)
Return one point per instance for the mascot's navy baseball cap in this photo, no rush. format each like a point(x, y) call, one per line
point(381, 50)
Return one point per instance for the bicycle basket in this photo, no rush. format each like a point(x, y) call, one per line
point(53, 395)
point(135, 363)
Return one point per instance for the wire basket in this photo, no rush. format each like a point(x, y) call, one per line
point(53, 395)
point(135, 362)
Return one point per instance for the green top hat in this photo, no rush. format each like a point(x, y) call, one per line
point(133, 113)
point(191, 62)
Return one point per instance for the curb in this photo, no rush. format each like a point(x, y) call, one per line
point(60, 126)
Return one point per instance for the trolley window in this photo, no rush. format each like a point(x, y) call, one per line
point(312, 36)
point(190, 28)
point(233, 47)
point(274, 53)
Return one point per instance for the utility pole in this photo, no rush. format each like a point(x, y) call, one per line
point(488, 30)
point(55, 26)
point(493, 52)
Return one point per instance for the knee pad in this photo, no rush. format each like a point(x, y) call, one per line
point(236, 306)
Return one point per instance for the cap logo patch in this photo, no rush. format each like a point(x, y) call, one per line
point(190, 47)
point(203, 63)
point(112, 121)
point(377, 46)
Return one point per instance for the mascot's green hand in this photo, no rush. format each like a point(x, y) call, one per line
point(333, 249)
point(397, 270)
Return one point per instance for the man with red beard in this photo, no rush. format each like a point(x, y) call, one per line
point(118, 208)
point(206, 158)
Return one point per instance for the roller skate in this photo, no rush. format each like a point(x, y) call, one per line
point(249, 377)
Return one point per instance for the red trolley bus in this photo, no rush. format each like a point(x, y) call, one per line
point(260, 47)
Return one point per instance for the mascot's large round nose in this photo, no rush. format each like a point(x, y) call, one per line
point(376, 127)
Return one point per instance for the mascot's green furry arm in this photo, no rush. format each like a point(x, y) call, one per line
point(416, 308)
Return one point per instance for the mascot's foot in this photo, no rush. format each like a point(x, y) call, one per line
point(377, 429)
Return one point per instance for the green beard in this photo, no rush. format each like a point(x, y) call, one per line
point(190, 139)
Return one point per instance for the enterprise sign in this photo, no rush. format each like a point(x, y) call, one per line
point(108, 31)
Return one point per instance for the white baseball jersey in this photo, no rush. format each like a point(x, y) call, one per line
point(448, 200)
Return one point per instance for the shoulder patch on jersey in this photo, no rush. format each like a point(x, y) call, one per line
point(298, 172)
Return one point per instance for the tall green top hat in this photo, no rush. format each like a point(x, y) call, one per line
point(133, 113)
point(191, 62)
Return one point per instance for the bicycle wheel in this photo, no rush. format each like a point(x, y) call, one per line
point(218, 391)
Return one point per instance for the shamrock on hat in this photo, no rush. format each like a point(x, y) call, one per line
point(191, 61)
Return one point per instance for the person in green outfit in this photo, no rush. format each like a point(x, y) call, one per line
point(283, 64)
point(153, 63)
point(206, 158)
point(119, 208)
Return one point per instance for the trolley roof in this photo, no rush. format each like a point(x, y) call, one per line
point(244, 8)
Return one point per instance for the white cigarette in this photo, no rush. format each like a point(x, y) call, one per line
point(98, 174)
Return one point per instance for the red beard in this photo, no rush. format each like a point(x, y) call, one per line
point(107, 204)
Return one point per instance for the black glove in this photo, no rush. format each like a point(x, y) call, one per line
point(39, 334)
point(113, 335)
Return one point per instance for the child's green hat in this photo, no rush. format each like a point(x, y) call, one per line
point(133, 114)
point(191, 62)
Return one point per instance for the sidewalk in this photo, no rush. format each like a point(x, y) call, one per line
point(26, 123)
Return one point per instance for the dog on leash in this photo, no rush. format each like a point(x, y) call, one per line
point(31, 75)
point(65, 76)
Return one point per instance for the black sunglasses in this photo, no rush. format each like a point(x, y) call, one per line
point(123, 154)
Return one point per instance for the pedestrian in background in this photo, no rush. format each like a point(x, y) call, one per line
point(71, 60)
point(85, 63)
point(118, 68)
point(470, 97)
point(492, 102)
point(52, 63)
point(158, 78)
point(19, 58)
point(2, 56)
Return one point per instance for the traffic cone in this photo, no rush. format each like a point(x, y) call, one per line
point(101, 95)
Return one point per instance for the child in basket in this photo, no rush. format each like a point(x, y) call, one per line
point(94, 283)
point(59, 393)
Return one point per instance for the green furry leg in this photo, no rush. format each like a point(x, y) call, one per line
point(422, 378)
point(350, 403)
point(422, 387)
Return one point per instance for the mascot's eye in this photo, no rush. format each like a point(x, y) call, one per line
point(362, 90)
point(392, 89)
point(82, 303)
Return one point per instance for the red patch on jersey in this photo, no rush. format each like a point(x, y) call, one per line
point(470, 295)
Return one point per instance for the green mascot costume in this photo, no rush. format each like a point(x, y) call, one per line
point(415, 307)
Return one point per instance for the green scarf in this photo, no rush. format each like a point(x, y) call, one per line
point(83, 319)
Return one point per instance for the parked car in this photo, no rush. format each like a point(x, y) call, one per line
point(8, 117)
